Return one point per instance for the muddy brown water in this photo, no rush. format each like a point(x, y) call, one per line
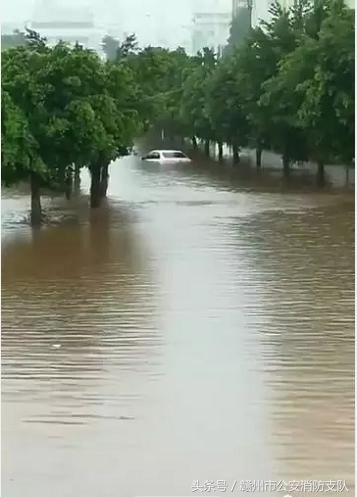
point(200, 326)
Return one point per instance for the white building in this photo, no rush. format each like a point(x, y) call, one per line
point(72, 24)
point(210, 29)
point(238, 4)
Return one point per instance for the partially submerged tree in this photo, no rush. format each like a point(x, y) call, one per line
point(62, 108)
point(225, 108)
point(287, 86)
point(312, 95)
point(194, 111)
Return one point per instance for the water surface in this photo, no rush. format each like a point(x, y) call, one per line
point(200, 326)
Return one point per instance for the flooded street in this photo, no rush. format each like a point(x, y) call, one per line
point(200, 326)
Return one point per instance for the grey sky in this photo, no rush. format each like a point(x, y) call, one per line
point(164, 22)
point(20, 9)
point(177, 11)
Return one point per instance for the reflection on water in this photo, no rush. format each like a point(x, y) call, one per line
point(199, 326)
point(305, 309)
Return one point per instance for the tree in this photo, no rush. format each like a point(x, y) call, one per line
point(312, 96)
point(177, 66)
point(159, 75)
point(71, 109)
point(194, 111)
point(327, 93)
point(110, 47)
point(22, 108)
point(128, 47)
point(149, 67)
point(239, 30)
point(258, 60)
point(119, 123)
point(94, 104)
point(19, 153)
point(225, 107)
point(255, 62)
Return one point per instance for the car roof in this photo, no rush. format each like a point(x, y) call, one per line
point(166, 151)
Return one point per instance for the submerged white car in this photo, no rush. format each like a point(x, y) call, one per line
point(166, 156)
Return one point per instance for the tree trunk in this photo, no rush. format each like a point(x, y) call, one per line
point(320, 172)
point(77, 178)
point(194, 143)
point(68, 185)
point(220, 150)
point(258, 155)
point(36, 210)
point(236, 158)
point(104, 181)
point(95, 188)
point(207, 144)
point(347, 175)
point(286, 164)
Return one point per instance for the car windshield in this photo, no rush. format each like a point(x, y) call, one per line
point(174, 155)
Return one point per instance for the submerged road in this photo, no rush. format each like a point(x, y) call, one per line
point(200, 326)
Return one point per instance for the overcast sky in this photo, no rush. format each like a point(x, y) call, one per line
point(18, 10)
point(160, 20)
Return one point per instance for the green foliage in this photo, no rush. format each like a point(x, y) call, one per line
point(265, 91)
point(225, 105)
point(110, 47)
point(327, 92)
point(63, 106)
point(18, 147)
point(288, 84)
point(194, 109)
point(239, 30)
point(311, 98)
point(115, 51)
point(128, 47)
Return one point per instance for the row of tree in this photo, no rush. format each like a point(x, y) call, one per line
point(288, 86)
point(64, 109)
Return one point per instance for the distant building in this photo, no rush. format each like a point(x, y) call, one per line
point(244, 5)
point(237, 5)
point(57, 22)
point(210, 29)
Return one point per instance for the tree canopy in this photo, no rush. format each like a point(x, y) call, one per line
point(239, 30)
point(288, 86)
point(64, 107)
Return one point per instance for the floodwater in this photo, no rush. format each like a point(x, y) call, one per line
point(200, 326)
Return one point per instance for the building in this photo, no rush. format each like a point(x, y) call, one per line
point(243, 5)
point(71, 24)
point(210, 29)
point(237, 5)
